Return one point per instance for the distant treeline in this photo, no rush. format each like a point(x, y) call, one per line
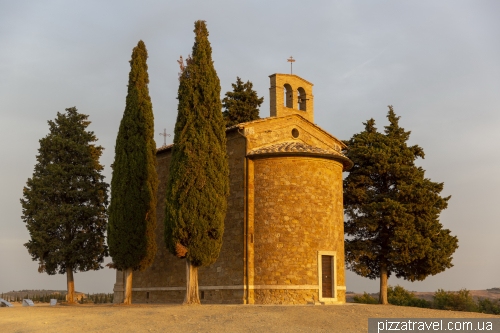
point(32, 292)
point(442, 300)
point(46, 297)
point(37, 298)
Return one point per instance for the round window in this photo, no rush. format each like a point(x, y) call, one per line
point(295, 133)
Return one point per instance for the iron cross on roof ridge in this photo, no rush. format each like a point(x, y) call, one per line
point(291, 60)
point(164, 136)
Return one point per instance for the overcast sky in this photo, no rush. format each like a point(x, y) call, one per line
point(436, 62)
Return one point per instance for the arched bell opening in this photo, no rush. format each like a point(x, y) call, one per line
point(288, 96)
point(301, 99)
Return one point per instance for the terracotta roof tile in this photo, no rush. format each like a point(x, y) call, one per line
point(301, 149)
point(292, 146)
point(164, 148)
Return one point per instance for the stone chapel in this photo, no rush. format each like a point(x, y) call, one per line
point(283, 237)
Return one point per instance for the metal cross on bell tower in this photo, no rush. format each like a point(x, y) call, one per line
point(164, 136)
point(291, 60)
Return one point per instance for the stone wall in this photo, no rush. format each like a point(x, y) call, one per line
point(275, 130)
point(298, 212)
point(281, 211)
point(286, 296)
point(169, 272)
point(294, 83)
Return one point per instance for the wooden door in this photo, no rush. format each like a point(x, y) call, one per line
point(326, 275)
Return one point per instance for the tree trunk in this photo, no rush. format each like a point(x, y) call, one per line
point(192, 297)
point(383, 285)
point(127, 298)
point(71, 285)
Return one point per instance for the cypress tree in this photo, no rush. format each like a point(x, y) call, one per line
point(242, 104)
point(64, 205)
point(132, 212)
point(392, 210)
point(198, 182)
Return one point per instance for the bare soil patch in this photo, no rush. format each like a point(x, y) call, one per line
point(209, 318)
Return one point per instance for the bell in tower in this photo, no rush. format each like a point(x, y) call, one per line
point(290, 94)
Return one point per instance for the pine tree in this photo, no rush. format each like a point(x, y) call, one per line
point(392, 210)
point(132, 212)
point(64, 205)
point(198, 182)
point(242, 104)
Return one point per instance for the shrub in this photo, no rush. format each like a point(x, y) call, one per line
point(488, 306)
point(448, 300)
point(365, 299)
point(400, 296)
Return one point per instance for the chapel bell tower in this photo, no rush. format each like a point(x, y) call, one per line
point(290, 94)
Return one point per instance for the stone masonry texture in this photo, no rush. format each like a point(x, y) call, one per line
point(285, 204)
point(298, 212)
point(169, 271)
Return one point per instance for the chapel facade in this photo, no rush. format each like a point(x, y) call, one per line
point(283, 239)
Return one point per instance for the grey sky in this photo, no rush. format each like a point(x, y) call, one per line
point(437, 62)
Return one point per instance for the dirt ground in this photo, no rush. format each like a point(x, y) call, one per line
point(208, 318)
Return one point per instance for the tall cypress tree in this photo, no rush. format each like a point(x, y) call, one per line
point(132, 212)
point(198, 182)
point(392, 210)
point(64, 205)
point(242, 104)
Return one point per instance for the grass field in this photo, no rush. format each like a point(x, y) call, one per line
point(208, 318)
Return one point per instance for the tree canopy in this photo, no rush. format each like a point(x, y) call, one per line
point(64, 203)
point(132, 212)
point(392, 211)
point(242, 104)
point(198, 182)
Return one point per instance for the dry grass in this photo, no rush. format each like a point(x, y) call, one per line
point(208, 318)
